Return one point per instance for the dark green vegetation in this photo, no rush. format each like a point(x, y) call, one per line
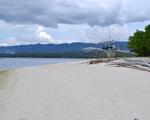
point(140, 42)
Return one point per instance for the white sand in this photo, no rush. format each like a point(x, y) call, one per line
point(75, 92)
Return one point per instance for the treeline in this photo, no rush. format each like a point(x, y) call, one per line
point(140, 42)
point(54, 55)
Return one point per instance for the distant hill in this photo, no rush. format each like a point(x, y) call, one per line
point(55, 50)
point(73, 47)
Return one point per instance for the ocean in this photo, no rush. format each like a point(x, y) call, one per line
point(11, 63)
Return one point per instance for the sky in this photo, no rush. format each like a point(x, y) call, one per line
point(67, 21)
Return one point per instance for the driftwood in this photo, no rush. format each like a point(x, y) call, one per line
point(96, 61)
point(134, 64)
point(138, 64)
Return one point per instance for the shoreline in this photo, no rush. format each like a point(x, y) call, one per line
point(145, 59)
point(16, 63)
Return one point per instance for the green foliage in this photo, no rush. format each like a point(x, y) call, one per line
point(140, 42)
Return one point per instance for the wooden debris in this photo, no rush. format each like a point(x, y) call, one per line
point(134, 64)
point(139, 64)
point(96, 61)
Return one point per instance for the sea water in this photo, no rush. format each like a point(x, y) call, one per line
point(11, 63)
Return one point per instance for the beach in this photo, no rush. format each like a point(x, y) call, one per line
point(74, 91)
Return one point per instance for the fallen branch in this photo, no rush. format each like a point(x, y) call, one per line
point(96, 61)
point(140, 65)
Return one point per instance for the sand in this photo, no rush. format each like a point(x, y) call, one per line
point(75, 91)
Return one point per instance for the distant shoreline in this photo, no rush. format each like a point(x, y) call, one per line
point(13, 63)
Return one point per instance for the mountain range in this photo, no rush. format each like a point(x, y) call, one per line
point(77, 49)
point(65, 47)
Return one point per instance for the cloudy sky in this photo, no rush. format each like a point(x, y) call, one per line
point(66, 21)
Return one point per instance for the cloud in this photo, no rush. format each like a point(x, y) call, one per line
point(23, 34)
point(61, 21)
point(43, 36)
point(9, 42)
point(12, 34)
point(53, 12)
